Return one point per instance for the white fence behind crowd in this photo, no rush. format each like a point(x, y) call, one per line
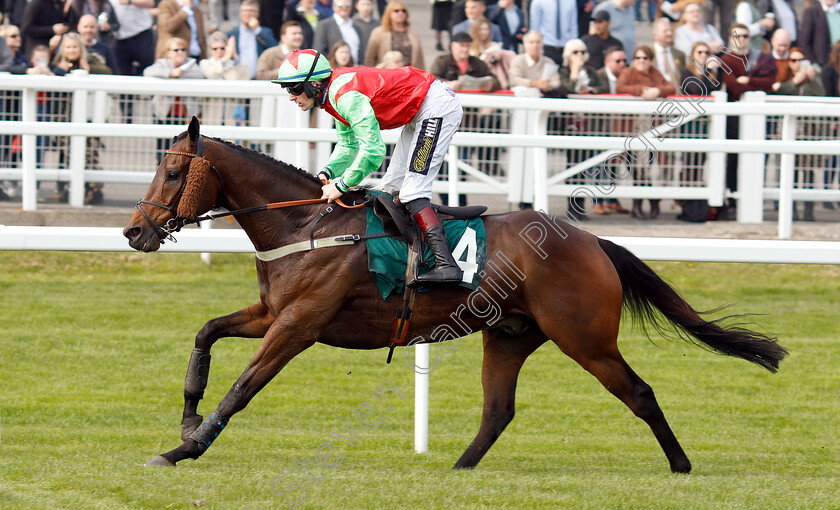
point(102, 129)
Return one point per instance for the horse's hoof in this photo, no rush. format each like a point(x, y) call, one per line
point(190, 426)
point(160, 460)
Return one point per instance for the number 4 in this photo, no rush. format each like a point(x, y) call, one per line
point(468, 244)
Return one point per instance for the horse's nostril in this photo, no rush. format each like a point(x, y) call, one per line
point(133, 233)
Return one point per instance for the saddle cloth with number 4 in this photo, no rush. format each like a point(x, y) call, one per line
point(387, 257)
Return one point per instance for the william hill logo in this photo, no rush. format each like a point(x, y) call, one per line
point(425, 146)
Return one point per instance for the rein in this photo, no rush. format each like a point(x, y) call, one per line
point(178, 222)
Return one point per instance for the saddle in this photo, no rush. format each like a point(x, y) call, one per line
point(397, 221)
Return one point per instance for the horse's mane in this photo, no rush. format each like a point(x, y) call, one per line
point(262, 157)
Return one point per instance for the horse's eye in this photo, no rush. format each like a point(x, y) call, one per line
point(172, 175)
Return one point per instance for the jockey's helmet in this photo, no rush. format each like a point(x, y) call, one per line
point(301, 67)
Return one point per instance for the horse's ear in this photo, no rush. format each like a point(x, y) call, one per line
point(193, 129)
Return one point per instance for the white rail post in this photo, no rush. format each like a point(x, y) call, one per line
point(78, 149)
point(421, 397)
point(751, 166)
point(716, 162)
point(29, 185)
point(452, 178)
point(517, 161)
point(789, 124)
point(540, 163)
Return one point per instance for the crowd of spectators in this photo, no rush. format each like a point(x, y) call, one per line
point(549, 48)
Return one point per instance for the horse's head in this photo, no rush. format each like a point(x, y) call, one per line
point(184, 186)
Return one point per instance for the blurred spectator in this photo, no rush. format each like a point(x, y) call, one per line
point(699, 78)
point(181, 18)
point(757, 22)
point(39, 60)
point(535, 70)
point(651, 10)
point(696, 30)
point(441, 15)
point(88, 27)
point(365, 22)
point(391, 60)
point(579, 78)
point(340, 56)
point(576, 75)
point(643, 80)
point(458, 63)
point(461, 71)
point(475, 9)
point(831, 85)
point(615, 60)
point(702, 76)
point(622, 21)
point(338, 27)
point(673, 10)
point(820, 29)
point(103, 14)
point(780, 45)
point(135, 40)
point(221, 14)
point(304, 12)
point(785, 16)
point(396, 34)
point(14, 61)
point(11, 35)
point(250, 38)
point(72, 57)
point(6, 57)
point(510, 19)
point(668, 60)
point(223, 64)
point(557, 21)
point(12, 12)
point(271, 14)
point(324, 8)
point(291, 38)
point(831, 72)
point(805, 81)
point(600, 39)
point(43, 19)
point(458, 14)
point(168, 109)
point(747, 70)
point(490, 51)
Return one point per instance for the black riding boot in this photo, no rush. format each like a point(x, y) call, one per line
point(446, 270)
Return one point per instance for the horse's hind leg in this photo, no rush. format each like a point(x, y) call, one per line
point(603, 360)
point(250, 322)
point(503, 358)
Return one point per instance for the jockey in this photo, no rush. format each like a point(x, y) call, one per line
point(365, 100)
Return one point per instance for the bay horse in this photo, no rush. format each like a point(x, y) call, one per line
point(547, 279)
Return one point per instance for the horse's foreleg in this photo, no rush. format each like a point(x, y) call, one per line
point(280, 345)
point(503, 358)
point(250, 322)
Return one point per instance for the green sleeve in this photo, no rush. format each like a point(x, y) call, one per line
point(360, 149)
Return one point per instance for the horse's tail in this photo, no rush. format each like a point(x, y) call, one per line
point(643, 291)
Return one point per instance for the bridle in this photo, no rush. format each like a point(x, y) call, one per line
point(177, 222)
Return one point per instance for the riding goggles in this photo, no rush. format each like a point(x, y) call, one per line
point(294, 88)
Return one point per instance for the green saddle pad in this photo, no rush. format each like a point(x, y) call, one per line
point(387, 257)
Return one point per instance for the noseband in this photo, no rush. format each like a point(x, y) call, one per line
point(177, 222)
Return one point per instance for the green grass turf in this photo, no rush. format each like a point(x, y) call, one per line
point(94, 349)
